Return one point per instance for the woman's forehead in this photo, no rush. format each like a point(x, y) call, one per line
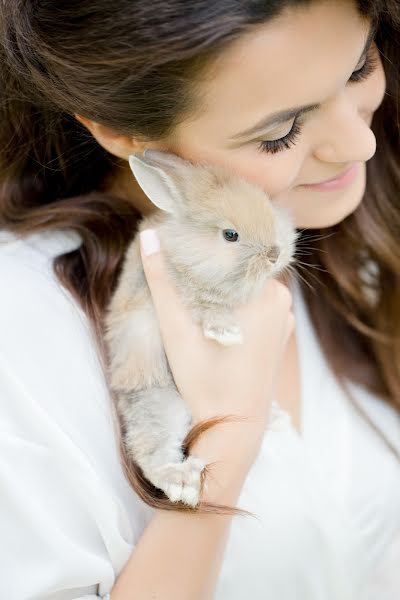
point(300, 57)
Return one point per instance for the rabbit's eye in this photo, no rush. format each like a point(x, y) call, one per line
point(230, 235)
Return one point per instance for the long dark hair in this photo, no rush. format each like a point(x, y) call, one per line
point(134, 67)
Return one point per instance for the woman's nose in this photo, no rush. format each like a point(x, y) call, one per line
point(347, 137)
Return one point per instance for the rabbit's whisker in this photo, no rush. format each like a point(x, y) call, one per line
point(292, 269)
point(309, 274)
point(316, 237)
point(312, 266)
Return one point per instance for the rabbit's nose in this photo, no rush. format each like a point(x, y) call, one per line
point(273, 253)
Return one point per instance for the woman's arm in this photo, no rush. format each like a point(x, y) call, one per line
point(179, 555)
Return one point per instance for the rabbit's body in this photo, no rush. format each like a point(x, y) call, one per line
point(212, 277)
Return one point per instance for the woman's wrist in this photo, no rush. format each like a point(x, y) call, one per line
point(229, 455)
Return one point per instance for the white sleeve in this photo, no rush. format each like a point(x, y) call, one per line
point(51, 543)
point(69, 520)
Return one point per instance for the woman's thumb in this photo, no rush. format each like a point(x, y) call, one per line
point(167, 303)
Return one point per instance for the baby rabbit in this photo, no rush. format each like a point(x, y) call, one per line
point(222, 239)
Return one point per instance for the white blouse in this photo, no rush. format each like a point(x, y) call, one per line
point(327, 500)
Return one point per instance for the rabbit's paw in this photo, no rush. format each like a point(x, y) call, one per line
point(180, 481)
point(227, 335)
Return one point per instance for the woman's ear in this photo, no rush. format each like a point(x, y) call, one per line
point(115, 143)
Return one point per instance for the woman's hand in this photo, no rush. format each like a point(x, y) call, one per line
point(216, 380)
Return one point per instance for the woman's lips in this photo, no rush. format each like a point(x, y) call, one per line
point(339, 182)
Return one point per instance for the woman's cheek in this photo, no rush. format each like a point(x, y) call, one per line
point(274, 173)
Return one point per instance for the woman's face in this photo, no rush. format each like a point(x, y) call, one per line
point(306, 56)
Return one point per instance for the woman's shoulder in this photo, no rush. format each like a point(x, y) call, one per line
point(52, 239)
point(26, 267)
point(32, 301)
point(46, 339)
point(57, 434)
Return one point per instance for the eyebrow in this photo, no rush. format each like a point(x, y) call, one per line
point(285, 115)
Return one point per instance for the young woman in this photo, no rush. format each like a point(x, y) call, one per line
point(301, 97)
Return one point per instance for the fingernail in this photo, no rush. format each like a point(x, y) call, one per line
point(149, 241)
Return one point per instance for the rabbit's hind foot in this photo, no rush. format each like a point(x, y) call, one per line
point(179, 481)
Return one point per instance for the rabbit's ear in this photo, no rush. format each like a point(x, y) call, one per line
point(160, 175)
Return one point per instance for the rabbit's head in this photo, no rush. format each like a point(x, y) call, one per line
point(219, 228)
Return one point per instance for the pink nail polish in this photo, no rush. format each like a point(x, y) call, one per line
point(149, 241)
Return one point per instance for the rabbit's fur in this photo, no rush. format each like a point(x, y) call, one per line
point(212, 276)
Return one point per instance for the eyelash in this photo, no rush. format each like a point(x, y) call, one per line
point(274, 146)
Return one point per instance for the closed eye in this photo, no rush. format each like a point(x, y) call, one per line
point(274, 146)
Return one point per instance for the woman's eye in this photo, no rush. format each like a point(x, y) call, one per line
point(274, 146)
point(367, 69)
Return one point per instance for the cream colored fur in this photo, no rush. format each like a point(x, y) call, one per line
point(212, 276)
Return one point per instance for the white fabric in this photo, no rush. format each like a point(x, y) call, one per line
point(327, 500)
